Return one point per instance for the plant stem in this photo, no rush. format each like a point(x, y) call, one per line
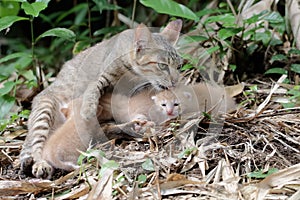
point(32, 42)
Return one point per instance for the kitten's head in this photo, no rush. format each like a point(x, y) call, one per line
point(168, 103)
point(154, 56)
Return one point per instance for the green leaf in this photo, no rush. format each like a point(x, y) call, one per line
point(13, 56)
point(24, 114)
point(80, 46)
point(232, 67)
point(142, 178)
point(265, 37)
point(8, 86)
point(148, 165)
point(295, 68)
point(109, 30)
point(29, 75)
point(228, 32)
point(171, 8)
point(7, 21)
point(104, 5)
point(33, 9)
point(209, 12)
point(294, 51)
point(274, 17)
point(6, 104)
point(261, 174)
point(276, 71)
point(212, 50)
point(111, 164)
point(186, 67)
point(227, 20)
point(278, 57)
point(59, 32)
point(9, 8)
point(187, 152)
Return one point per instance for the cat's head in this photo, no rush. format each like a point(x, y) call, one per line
point(154, 56)
point(168, 103)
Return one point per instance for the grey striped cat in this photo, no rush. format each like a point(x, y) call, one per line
point(139, 52)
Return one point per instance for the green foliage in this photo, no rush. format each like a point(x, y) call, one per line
point(187, 152)
point(19, 66)
point(171, 8)
point(259, 174)
point(9, 8)
point(148, 165)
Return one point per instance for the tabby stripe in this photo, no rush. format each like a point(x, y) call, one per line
point(46, 111)
point(42, 127)
point(106, 79)
point(39, 141)
point(113, 75)
point(44, 117)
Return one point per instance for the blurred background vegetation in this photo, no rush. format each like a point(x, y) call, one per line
point(224, 40)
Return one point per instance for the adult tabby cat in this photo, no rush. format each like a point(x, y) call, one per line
point(139, 52)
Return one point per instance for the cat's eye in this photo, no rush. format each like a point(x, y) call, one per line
point(163, 66)
point(163, 104)
point(176, 104)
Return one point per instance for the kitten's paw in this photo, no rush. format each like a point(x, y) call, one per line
point(88, 112)
point(42, 169)
point(141, 126)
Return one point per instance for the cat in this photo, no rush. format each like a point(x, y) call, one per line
point(150, 56)
point(200, 97)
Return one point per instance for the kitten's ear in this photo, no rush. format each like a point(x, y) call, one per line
point(172, 31)
point(65, 112)
point(142, 38)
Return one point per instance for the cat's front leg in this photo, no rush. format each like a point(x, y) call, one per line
point(90, 101)
point(92, 95)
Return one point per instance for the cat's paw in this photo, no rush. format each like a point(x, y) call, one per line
point(42, 169)
point(26, 164)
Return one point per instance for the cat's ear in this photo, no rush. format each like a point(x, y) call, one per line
point(142, 38)
point(172, 30)
point(153, 98)
point(187, 95)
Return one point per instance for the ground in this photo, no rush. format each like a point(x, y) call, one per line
point(254, 153)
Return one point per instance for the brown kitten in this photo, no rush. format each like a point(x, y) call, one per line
point(200, 97)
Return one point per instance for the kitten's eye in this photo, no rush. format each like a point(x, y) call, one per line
point(163, 66)
point(163, 104)
point(176, 104)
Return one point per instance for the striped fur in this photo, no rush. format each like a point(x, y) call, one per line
point(139, 52)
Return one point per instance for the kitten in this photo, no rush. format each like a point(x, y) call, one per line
point(62, 148)
point(201, 97)
point(139, 52)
